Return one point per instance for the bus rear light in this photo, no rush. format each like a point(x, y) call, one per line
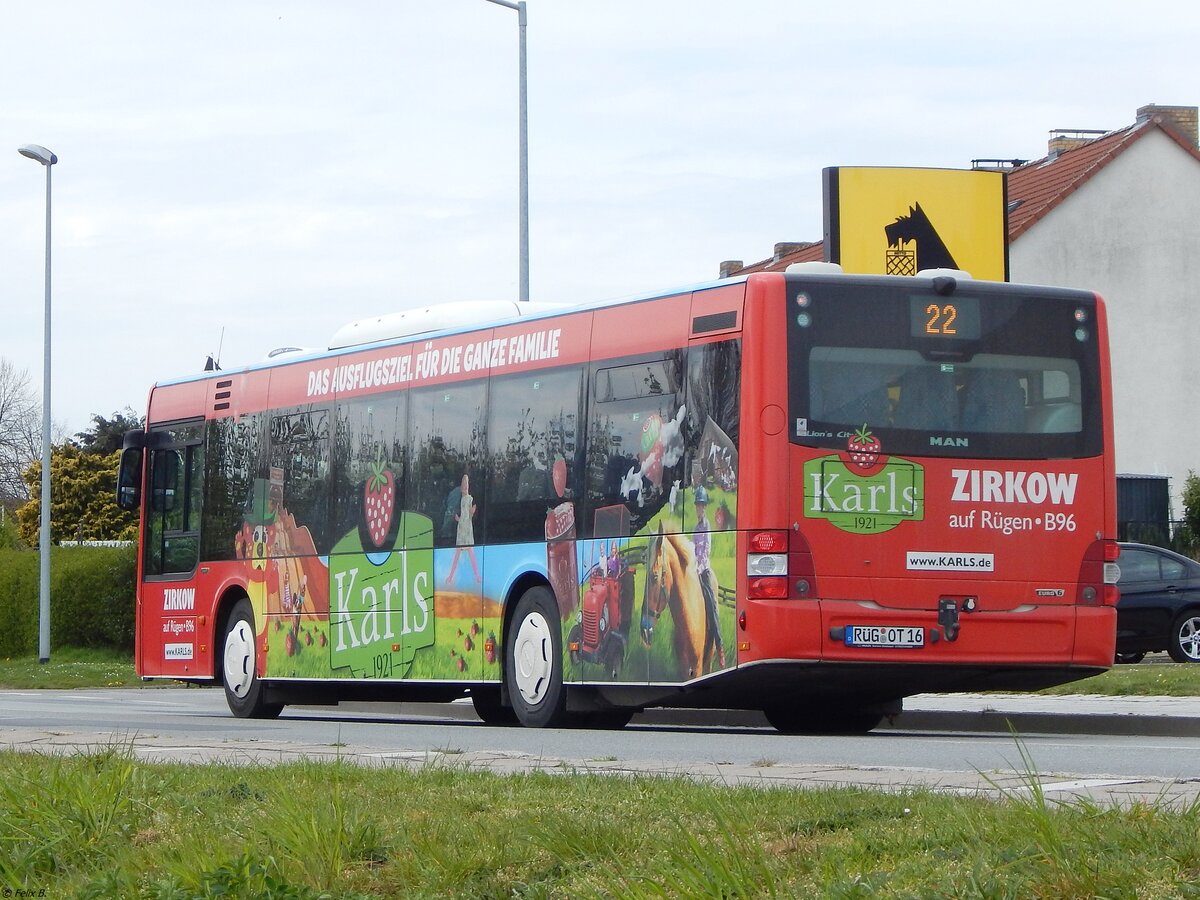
point(759, 564)
point(769, 542)
point(768, 588)
point(1098, 574)
point(742, 620)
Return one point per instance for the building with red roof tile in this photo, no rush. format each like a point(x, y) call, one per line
point(1116, 212)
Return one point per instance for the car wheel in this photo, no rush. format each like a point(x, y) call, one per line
point(533, 663)
point(243, 688)
point(1184, 645)
point(1130, 658)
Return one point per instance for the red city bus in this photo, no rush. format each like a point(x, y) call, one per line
point(807, 493)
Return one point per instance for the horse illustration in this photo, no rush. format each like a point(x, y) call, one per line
point(672, 582)
point(932, 252)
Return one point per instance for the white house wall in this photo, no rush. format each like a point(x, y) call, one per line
point(1132, 234)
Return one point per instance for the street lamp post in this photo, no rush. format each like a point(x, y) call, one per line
point(47, 159)
point(524, 150)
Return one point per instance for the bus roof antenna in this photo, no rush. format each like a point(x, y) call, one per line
point(213, 363)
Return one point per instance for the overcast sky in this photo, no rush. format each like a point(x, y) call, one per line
point(249, 175)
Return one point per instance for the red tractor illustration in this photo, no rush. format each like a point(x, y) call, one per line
point(601, 633)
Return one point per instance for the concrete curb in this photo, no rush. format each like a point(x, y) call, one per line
point(915, 718)
point(996, 721)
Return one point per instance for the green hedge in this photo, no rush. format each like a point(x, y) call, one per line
point(91, 599)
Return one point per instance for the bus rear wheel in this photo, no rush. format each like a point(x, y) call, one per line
point(806, 720)
point(607, 719)
point(489, 708)
point(243, 689)
point(533, 661)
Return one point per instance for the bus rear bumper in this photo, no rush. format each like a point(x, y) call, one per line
point(845, 631)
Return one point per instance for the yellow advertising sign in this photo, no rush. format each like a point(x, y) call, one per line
point(882, 221)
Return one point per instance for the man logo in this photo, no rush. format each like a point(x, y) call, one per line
point(938, 441)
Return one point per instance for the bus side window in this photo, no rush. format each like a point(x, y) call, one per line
point(533, 433)
point(172, 523)
point(166, 468)
point(713, 430)
point(370, 438)
point(635, 438)
point(447, 438)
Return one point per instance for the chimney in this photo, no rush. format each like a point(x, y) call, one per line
point(1181, 118)
point(1064, 139)
point(731, 267)
point(786, 248)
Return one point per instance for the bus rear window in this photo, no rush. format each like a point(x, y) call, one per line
point(900, 389)
point(1003, 373)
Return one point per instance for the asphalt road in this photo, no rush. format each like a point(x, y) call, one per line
point(194, 725)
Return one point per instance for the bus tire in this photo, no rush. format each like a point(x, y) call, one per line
point(489, 708)
point(1184, 644)
point(801, 720)
point(607, 719)
point(1130, 659)
point(243, 689)
point(533, 661)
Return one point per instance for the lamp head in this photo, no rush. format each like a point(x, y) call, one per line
point(39, 153)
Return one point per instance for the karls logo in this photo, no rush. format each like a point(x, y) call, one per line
point(179, 598)
point(991, 486)
point(368, 604)
point(864, 503)
point(381, 604)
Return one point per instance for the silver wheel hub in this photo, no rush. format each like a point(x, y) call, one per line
point(533, 658)
point(239, 658)
point(1189, 637)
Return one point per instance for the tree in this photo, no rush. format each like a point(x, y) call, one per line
point(106, 435)
point(20, 432)
point(83, 503)
point(1191, 502)
point(1187, 538)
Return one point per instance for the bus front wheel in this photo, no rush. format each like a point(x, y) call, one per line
point(533, 663)
point(243, 688)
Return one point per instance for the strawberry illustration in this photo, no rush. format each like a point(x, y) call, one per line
point(379, 497)
point(864, 448)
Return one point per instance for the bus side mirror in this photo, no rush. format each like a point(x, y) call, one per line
point(129, 479)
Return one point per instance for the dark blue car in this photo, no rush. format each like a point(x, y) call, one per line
point(1160, 604)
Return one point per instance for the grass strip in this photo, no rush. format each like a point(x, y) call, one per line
point(106, 824)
